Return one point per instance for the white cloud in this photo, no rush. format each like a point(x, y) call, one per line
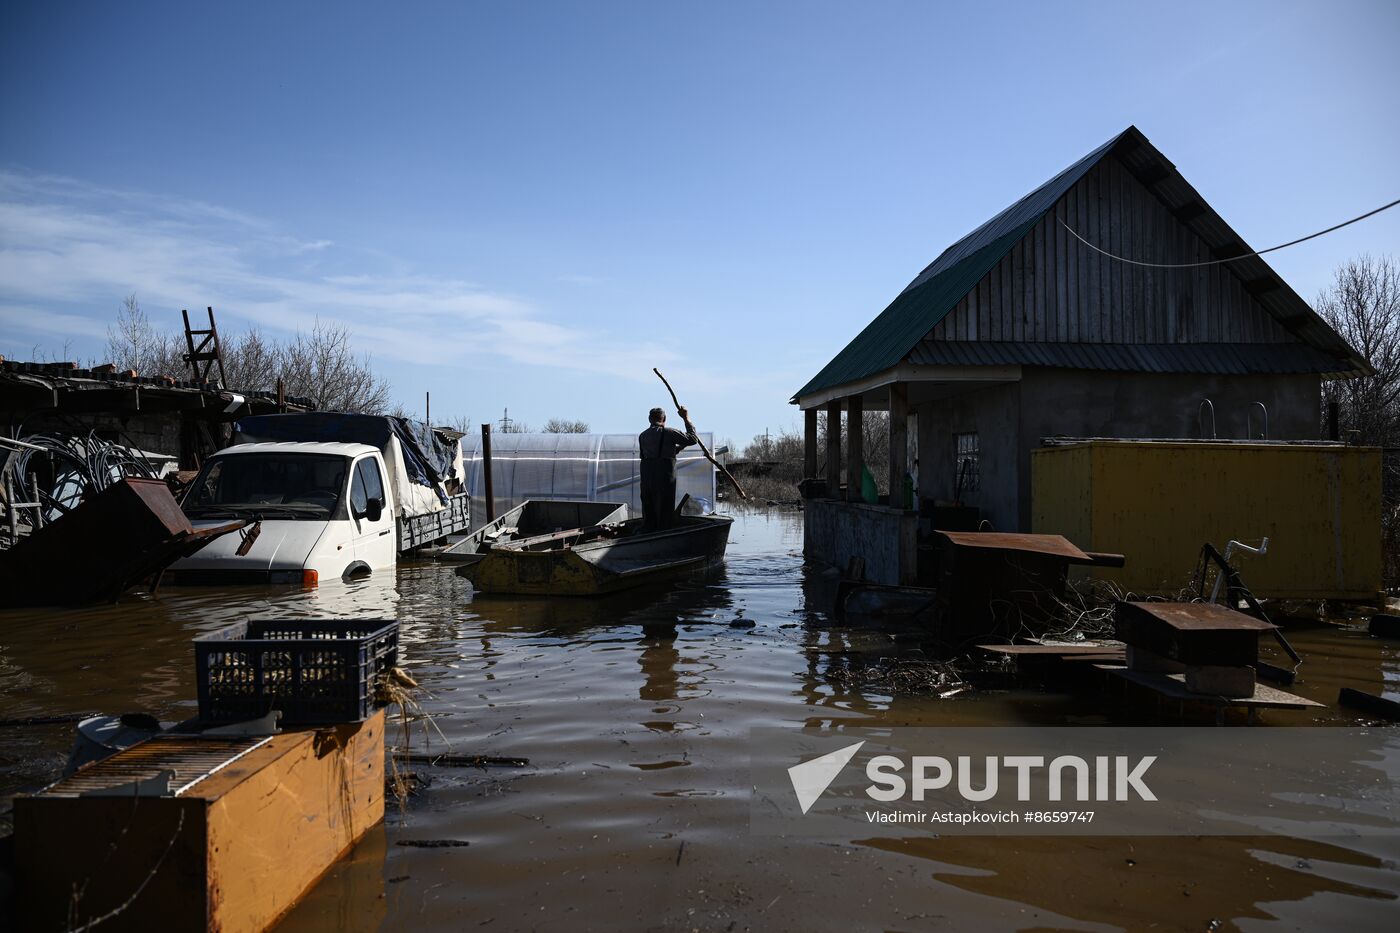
point(65, 243)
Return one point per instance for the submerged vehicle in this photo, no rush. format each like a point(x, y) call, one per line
point(598, 559)
point(314, 512)
point(327, 495)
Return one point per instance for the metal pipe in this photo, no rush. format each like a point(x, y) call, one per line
point(1249, 420)
point(1200, 422)
point(1230, 548)
point(487, 487)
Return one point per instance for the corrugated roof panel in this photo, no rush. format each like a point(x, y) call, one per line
point(1216, 358)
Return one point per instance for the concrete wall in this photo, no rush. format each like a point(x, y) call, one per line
point(885, 538)
point(1011, 419)
point(157, 432)
point(992, 412)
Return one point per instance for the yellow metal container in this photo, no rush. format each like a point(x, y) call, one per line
point(1157, 502)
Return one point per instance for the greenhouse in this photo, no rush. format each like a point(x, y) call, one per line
point(597, 467)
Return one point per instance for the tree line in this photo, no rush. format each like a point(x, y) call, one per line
point(320, 365)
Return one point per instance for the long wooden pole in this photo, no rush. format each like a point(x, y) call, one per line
point(703, 449)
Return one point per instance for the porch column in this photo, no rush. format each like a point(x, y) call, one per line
point(899, 442)
point(855, 448)
point(809, 444)
point(833, 449)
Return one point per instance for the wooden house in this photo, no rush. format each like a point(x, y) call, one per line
point(1029, 328)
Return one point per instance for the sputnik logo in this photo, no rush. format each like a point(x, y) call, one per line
point(811, 778)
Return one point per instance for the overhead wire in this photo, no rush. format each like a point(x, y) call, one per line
point(1216, 262)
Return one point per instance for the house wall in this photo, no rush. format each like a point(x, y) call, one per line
point(1011, 419)
point(885, 538)
point(157, 432)
point(995, 414)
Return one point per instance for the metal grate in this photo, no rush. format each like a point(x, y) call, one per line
point(191, 758)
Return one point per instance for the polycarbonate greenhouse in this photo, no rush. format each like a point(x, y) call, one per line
point(594, 467)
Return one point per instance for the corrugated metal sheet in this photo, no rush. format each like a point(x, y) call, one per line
point(1221, 358)
point(1157, 501)
point(910, 318)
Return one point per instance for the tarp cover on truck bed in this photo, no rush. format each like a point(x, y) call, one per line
point(428, 460)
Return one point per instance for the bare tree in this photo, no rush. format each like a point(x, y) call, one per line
point(565, 426)
point(252, 362)
point(1363, 305)
point(133, 343)
point(322, 366)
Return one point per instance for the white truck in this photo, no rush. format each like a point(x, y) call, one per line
point(317, 511)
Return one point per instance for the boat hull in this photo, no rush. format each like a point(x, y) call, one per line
point(604, 566)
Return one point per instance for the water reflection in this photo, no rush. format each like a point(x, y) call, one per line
point(635, 711)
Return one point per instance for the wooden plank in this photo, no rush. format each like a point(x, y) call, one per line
point(1038, 306)
point(899, 442)
point(277, 831)
point(855, 446)
point(1368, 703)
point(1063, 651)
point(1197, 617)
point(233, 852)
point(993, 328)
point(809, 443)
point(833, 449)
point(1173, 686)
point(1028, 287)
point(1109, 266)
point(1071, 262)
point(984, 300)
point(1116, 215)
point(1093, 294)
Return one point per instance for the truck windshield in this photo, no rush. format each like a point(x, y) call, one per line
point(285, 486)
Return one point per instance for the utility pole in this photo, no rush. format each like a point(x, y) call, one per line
point(505, 421)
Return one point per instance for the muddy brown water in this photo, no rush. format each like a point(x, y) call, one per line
point(634, 713)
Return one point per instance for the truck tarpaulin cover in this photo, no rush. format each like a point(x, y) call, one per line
point(427, 457)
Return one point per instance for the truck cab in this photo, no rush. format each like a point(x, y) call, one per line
point(315, 511)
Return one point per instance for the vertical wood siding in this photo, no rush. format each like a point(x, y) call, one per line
point(1052, 288)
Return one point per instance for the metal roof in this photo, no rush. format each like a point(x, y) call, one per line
point(1215, 358)
point(903, 326)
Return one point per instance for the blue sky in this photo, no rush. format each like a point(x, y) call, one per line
point(531, 204)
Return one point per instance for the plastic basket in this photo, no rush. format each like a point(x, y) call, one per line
point(314, 672)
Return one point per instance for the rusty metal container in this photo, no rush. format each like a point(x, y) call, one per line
point(124, 534)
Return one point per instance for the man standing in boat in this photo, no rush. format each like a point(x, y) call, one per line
point(660, 445)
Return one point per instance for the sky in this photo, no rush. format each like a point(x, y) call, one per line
point(530, 205)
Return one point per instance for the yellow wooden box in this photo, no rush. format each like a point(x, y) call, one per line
point(232, 850)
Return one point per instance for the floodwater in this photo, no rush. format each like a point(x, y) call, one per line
point(634, 713)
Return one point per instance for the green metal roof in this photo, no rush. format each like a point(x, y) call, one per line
point(898, 330)
point(946, 281)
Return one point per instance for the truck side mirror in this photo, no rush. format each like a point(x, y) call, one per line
point(374, 508)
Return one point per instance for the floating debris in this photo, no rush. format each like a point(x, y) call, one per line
point(895, 675)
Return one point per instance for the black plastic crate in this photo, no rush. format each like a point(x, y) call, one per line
point(314, 671)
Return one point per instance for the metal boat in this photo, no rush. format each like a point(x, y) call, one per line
point(601, 558)
point(529, 519)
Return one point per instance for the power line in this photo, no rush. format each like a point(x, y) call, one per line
point(1216, 262)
